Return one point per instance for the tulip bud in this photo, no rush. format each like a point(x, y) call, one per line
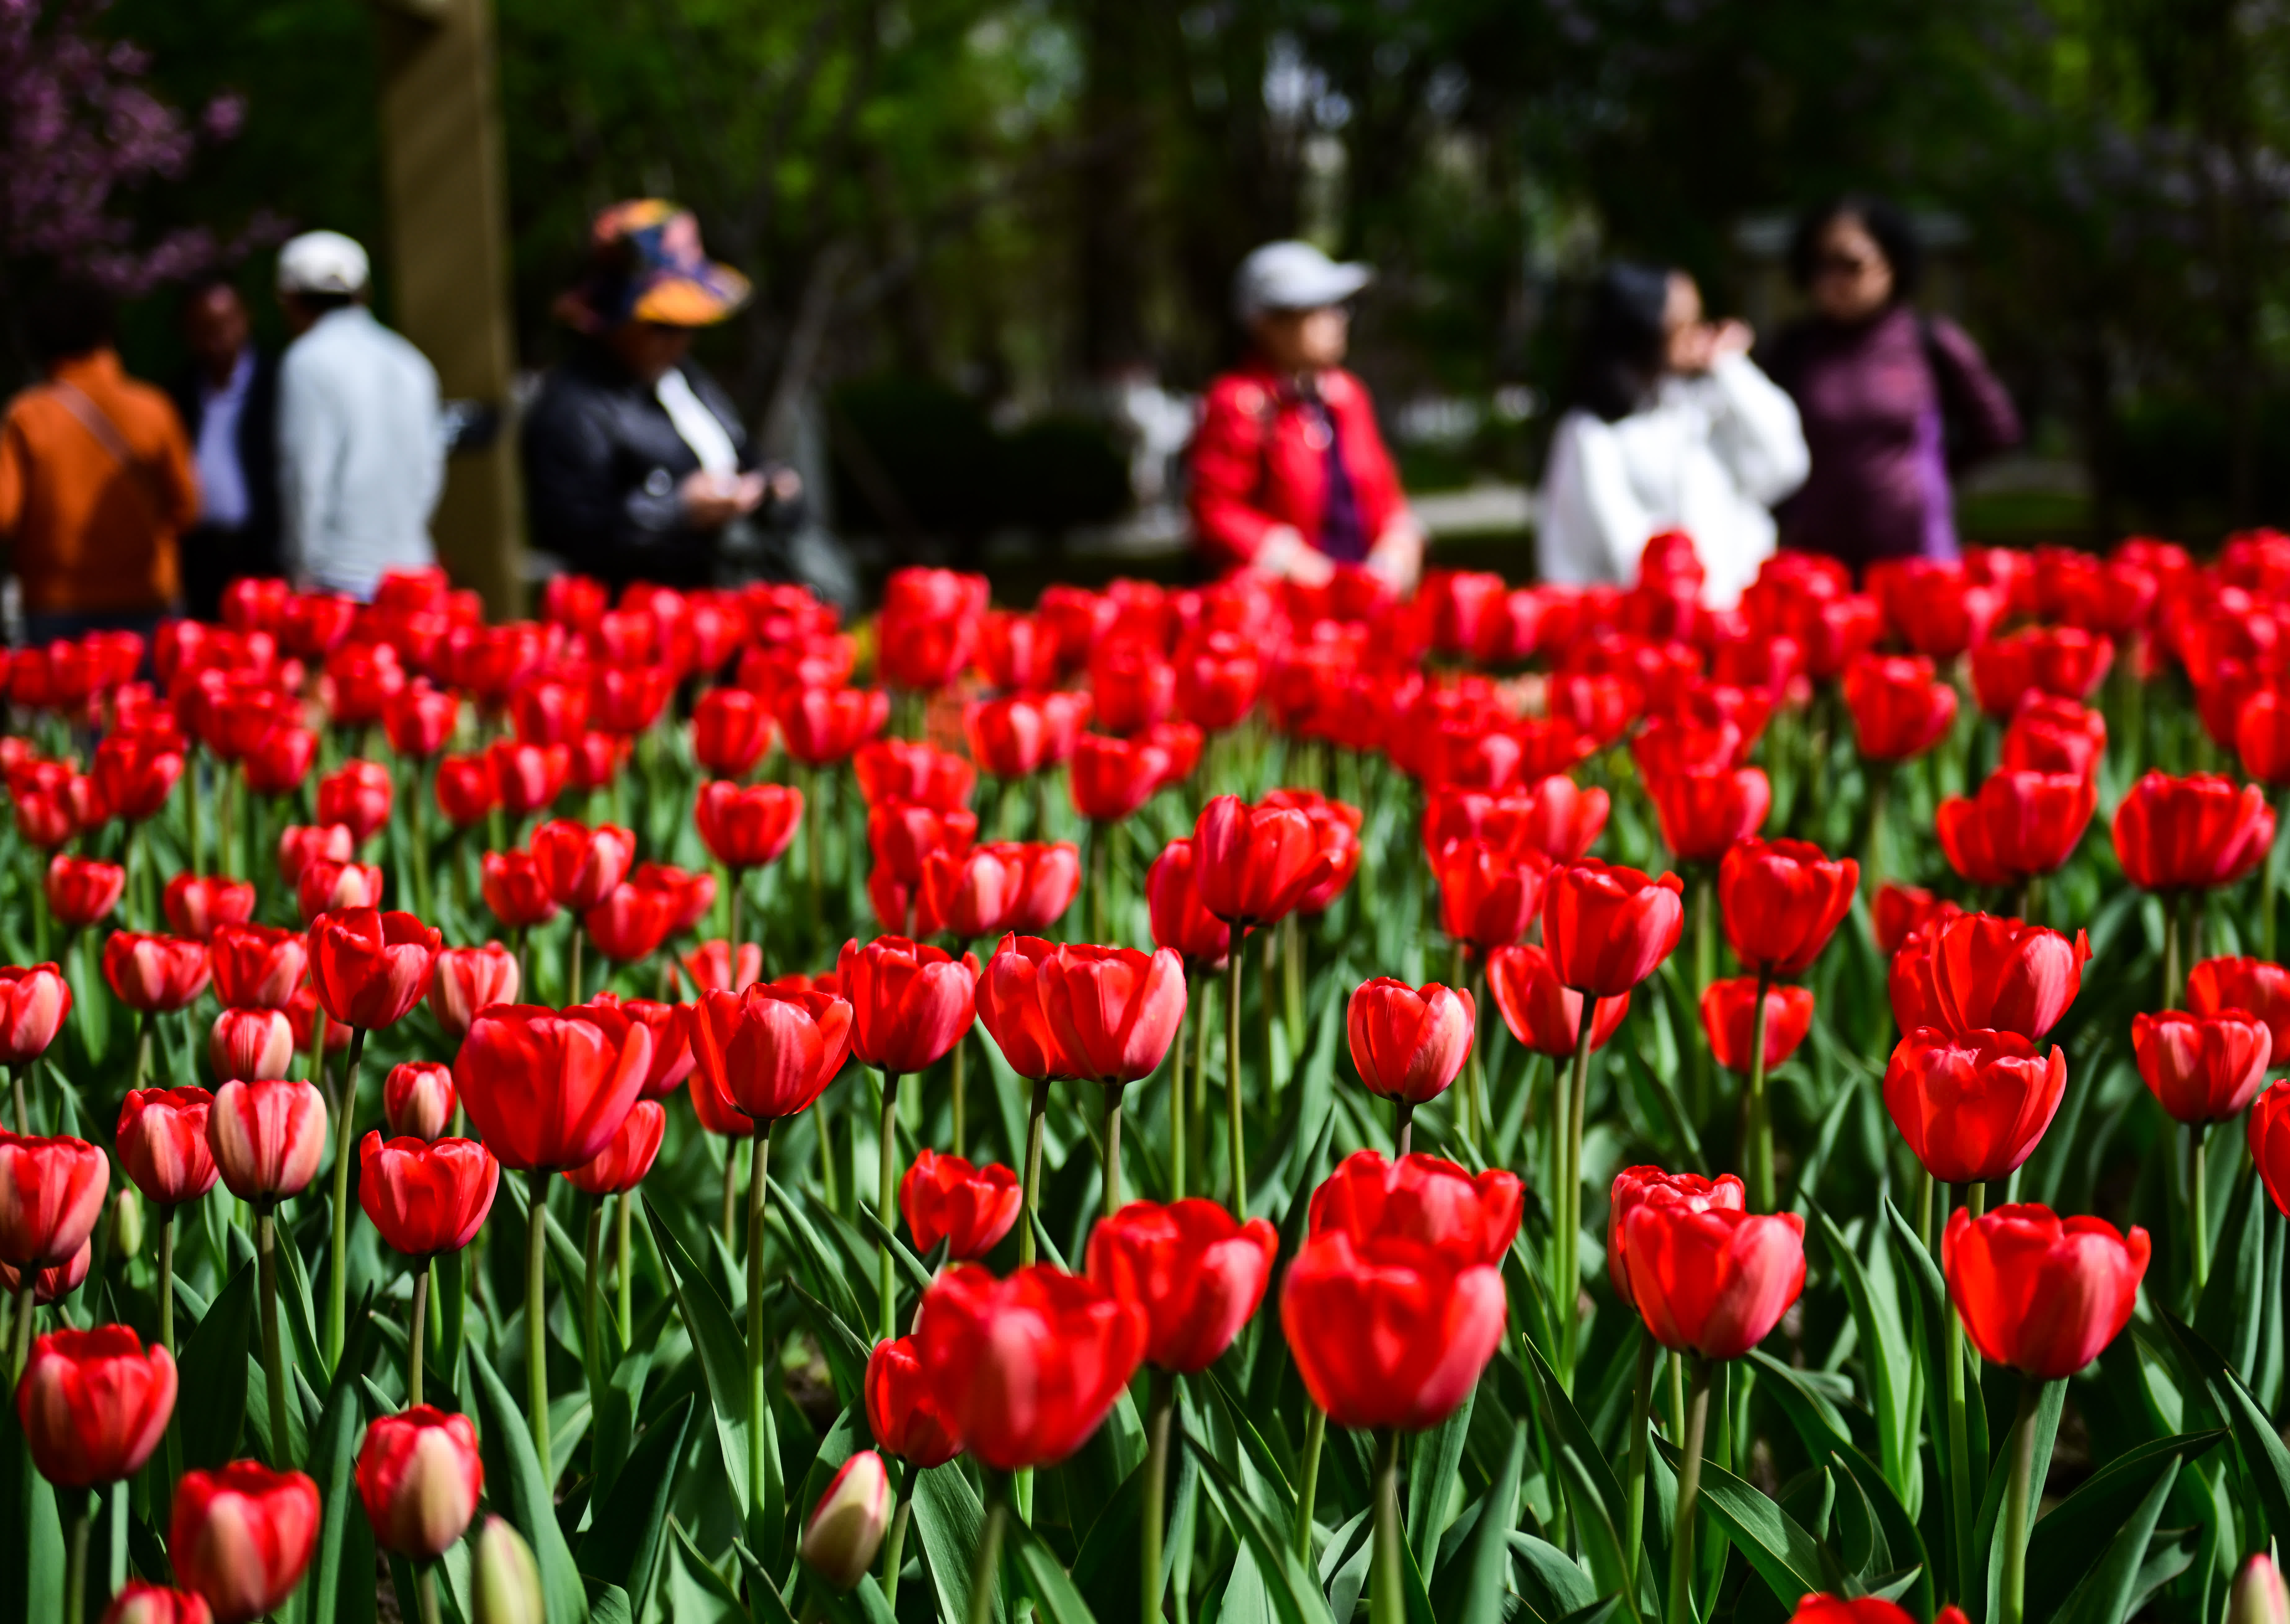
point(250, 1045)
point(507, 1582)
point(142, 1604)
point(418, 1475)
point(847, 1525)
point(2258, 1596)
point(417, 1098)
point(127, 1223)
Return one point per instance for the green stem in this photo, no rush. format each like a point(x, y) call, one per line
point(2019, 1492)
point(2199, 1229)
point(1959, 1448)
point(23, 1111)
point(1177, 1111)
point(758, 1360)
point(1113, 1093)
point(2271, 886)
point(536, 1319)
point(1196, 996)
point(2174, 912)
point(1160, 1407)
point(1403, 1127)
point(142, 1053)
point(274, 1356)
point(425, 1589)
point(1924, 1182)
point(1570, 1196)
point(1097, 834)
point(417, 1328)
point(1271, 1022)
point(961, 1080)
point(728, 1220)
point(1479, 1112)
point(1689, 1492)
point(623, 1210)
point(1033, 1182)
point(75, 1569)
point(1291, 979)
point(1236, 1151)
point(732, 930)
point(1307, 1487)
point(886, 1206)
point(572, 970)
point(988, 1558)
point(592, 1238)
point(1387, 1589)
point(1641, 1407)
point(895, 1543)
point(167, 1332)
point(1761, 1126)
point(345, 1142)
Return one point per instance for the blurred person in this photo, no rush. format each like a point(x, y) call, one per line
point(637, 464)
point(1668, 426)
point(1895, 402)
point(95, 478)
point(1289, 473)
point(228, 398)
point(361, 450)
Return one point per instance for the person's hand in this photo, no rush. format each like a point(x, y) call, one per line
point(1286, 553)
point(783, 486)
point(1730, 338)
point(1696, 349)
point(1397, 558)
point(709, 501)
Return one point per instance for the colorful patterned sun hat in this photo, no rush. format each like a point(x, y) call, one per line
point(645, 264)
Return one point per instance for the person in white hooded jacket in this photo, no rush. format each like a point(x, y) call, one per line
point(1670, 427)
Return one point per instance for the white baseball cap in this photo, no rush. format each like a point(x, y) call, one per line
point(322, 263)
point(1294, 276)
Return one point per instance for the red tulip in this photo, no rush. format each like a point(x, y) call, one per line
point(2268, 1133)
point(426, 1199)
point(1017, 651)
point(1637, 1187)
point(153, 973)
point(548, 1090)
point(1386, 1332)
point(710, 966)
point(631, 922)
point(1543, 1014)
point(1337, 826)
point(242, 1537)
point(466, 789)
point(1729, 1011)
point(1781, 900)
point(908, 1001)
point(417, 1098)
point(1607, 927)
point(327, 887)
point(302, 845)
point(2065, 660)
point(417, 724)
point(1864, 1610)
point(257, 966)
point(1254, 864)
point(1423, 1201)
point(466, 980)
point(94, 1405)
point(527, 777)
point(1902, 909)
point(141, 1604)
point(250, 1045)
point(2054, 735)
point(1012, 1003)
point(198, 905)
point(1487, 896)
point(2262, 737)
point(2251, 985)
point(2020, 825)
point(1195, 1271)
point(267, 1137)
point(33, 1004)
point(514, 889)
point(670, 1025)
point(81, 890)
point(1110, 778)
point(622, 1166)
point(1021, 734)
point(52, 1192)
point(419, 1476)
point(162, 1138)
point(730, 730)
point(370, 968)
point(1116, 1011)
point(947, 1199)
point(1973, 1107)
point(1050, 878)
point(2201, 1069)
point(1712, 1281)
point(1180, 921)
point(769, 1051)
point(135, 774)
point(894, 770)
point(1409, 1044)
point(581, 865)
point(2190, 834)
point(2042, 1296)
point(1978, 972)
point(1704, 811)
point(1898, 712)
point(746, 828)
point(1219, 675)
point(824, 725)
point(1025, 1368)
point(901, 1412)
point(1133, 685)
point(356, 795)
point(280, 759)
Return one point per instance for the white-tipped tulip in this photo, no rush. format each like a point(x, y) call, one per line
point(847, 1525)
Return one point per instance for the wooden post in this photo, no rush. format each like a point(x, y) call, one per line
point(447, 194)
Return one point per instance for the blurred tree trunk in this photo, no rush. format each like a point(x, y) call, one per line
point(1110, 188)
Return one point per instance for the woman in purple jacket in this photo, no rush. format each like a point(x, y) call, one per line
point(1894, 403)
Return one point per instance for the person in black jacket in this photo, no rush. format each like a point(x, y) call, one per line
point(637, 465)
point(228, 398)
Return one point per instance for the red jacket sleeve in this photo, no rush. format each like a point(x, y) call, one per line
point(1228, 471)
point(1374, 481)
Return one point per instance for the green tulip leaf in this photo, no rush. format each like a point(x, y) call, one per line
point(210, 1367)
point(516, 1487)
point(341, 1575)
point(1791, 1561)
point(623, 1541)
point(2106, 1594)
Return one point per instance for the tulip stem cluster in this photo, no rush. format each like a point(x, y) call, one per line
point(1569, 1191)
point(1975, 1201)
point(417, 1325)
point(1237, 1150)
point(1113, 1092)
point(887, 1195)
point(1387, 1589)
point(1308, 1486)
point(2199, 1229)
point(1160, 1407)
point(1689, 1492)
point(274, 1354)
point(346, 1128)
point(758, 1364)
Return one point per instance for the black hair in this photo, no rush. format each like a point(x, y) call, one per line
point(1621, 357)
point(70, 317)
point(1885, 221)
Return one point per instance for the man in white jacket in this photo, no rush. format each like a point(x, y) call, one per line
point(1673, 428)
point(361, 456)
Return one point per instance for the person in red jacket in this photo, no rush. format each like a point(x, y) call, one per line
point(1289, 474)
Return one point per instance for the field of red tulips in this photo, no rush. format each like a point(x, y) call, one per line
point(1240, 1105)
